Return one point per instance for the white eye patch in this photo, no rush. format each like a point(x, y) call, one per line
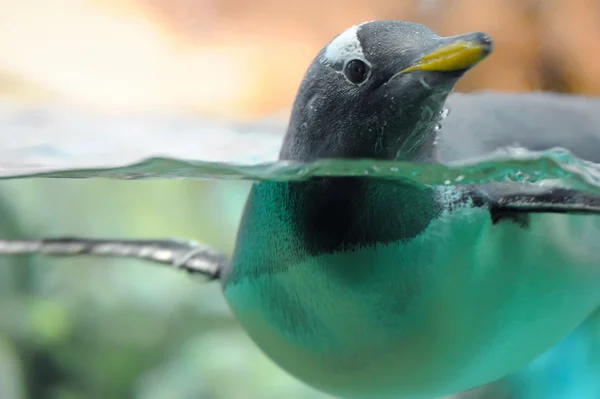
point(344, 47)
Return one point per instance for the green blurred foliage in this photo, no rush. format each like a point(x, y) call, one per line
point(75, 328)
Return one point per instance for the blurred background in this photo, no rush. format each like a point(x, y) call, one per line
point(245, 59)
point(79, 328)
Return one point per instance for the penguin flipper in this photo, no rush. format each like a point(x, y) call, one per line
point(192, 257)
point(516, 201)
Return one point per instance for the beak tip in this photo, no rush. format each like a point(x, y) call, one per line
point(486, 42)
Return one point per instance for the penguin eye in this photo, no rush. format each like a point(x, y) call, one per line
point(356, 71)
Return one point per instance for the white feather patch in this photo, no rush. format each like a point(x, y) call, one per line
point(344, 47)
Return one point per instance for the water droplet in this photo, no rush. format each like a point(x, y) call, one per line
point(444, 113)
point(438, 127)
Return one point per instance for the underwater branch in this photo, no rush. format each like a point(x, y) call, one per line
point(179, 254)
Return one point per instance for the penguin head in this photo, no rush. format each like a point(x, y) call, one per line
point(377, 91)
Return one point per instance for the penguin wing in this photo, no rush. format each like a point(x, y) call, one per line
point(479, 124)
point(516, 200)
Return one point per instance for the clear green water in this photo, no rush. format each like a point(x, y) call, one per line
point(107, 204)
point(533, 167)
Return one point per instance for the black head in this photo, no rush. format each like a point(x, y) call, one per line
point(377, 91)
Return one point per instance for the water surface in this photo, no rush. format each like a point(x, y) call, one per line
point(65, 143)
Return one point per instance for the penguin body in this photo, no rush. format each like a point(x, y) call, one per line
point(367, 288)
point(462, 303)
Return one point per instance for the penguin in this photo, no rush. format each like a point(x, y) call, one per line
point(366, 288)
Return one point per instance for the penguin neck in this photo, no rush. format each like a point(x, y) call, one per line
point(414, 144)
point(419, 144)
point(411, 138)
